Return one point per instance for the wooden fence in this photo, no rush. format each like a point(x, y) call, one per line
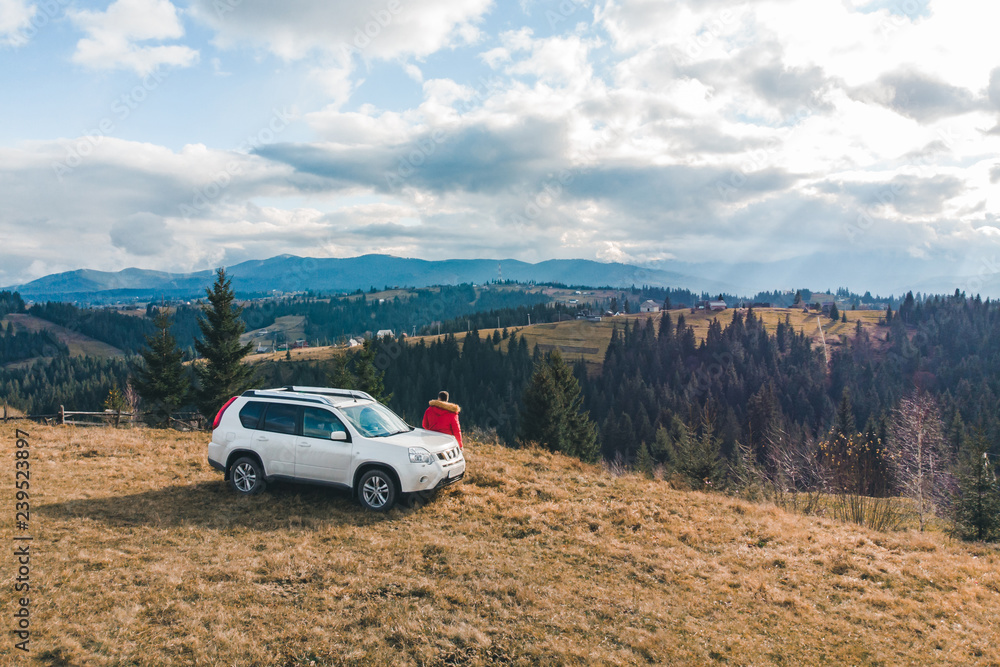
point(182, 421)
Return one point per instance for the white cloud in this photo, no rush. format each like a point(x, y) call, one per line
point(113, 37)
point(374, 28)
point(718, 129)
point(15, 21)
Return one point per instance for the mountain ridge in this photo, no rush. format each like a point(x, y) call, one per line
point(291, 273)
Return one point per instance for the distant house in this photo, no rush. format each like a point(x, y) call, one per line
point(385, 333)
point(715, 305)
point(354, 343)
point(263, 349)
point(301, 342)
point(649, 306)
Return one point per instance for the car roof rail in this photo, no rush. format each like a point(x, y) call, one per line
point(276, 393)
point(328, 391)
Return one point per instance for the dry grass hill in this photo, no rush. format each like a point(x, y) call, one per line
point(143, 557)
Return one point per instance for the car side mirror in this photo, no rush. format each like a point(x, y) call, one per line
point(339, 435)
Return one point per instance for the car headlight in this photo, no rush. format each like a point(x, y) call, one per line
point(420, 455)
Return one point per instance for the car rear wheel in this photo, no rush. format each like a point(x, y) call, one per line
point(377, 490)
point(246, 477)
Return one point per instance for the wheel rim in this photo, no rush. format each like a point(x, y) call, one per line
point(376, 491)
point(244, 477)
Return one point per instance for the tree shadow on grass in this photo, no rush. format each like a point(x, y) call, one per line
point(214, 505)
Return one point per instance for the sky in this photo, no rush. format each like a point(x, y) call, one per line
point(771, 144)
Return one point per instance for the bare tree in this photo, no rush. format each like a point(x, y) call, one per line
point(791, 475)
point(919, 454)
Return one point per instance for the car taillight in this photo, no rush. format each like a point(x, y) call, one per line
point(218, 417)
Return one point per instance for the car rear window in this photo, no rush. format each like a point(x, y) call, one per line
point(250, 414)
point(280, 418)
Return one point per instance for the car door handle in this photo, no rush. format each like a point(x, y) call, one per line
point(263, 438)
point(304, 444)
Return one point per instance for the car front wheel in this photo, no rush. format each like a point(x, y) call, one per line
point(377, 490)
point(247, 477)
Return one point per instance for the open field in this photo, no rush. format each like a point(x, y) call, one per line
point(292, 326)
point(79, 345)
point(321, 353)
point(384, 294)
point(141, 556)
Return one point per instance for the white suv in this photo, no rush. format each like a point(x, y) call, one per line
point(337, 437)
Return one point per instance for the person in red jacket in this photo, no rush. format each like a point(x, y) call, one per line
point(442, 416)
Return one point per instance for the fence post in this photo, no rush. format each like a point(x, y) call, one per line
point(118, 416)
point(5, 412)
point(62, 415)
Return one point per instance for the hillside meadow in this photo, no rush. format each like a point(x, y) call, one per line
point(142, 556)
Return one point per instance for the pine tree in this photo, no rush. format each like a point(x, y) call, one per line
point(553, 414)
point(976, 509)
point(543, 419)
point(370, 379)
point(834, 313)
point(223, 373)
point(644, 461)
point(160, 380)
point(844, 425)
point(698, 457)
point(581, 433)
point(340, 375)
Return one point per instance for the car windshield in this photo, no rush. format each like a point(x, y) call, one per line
point(374, 420)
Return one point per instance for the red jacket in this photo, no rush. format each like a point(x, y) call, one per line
point(443, 417)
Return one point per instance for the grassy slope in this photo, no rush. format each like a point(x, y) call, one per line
point(144, 557)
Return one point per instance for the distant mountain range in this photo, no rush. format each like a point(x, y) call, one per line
point(288, 273)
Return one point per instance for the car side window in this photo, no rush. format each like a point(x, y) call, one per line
point(319, 423)
point(281, 418)
point(250, 414)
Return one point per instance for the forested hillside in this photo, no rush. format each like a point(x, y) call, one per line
point(122, 331)
point(750, 385)
point(21, 345)
point(78, 383)
point(327, 320)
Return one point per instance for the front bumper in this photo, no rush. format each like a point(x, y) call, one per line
point(448, 481)
point(448, 468)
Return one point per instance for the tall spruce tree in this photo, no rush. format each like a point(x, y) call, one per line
point(553, 414)
point(370, 378)
point(223, 373)
point(160, 379)
point(976, 508)
point(543, 419)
